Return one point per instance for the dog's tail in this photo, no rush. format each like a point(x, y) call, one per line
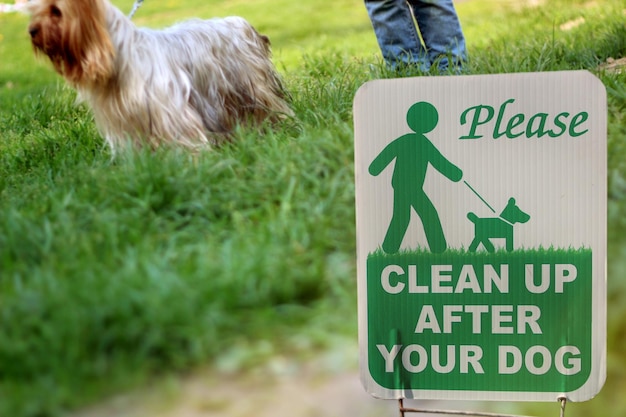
point(266, 43)
point(277, 83)
point(274, 82)
point(472, 217)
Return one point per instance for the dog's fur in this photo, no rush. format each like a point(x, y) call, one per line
point(487, 228)
point(190, 84)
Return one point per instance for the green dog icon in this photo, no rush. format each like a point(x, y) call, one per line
point(486, 228)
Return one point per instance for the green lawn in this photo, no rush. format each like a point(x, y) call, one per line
point(114, 270)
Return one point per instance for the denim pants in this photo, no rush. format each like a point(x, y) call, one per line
point(399, 37)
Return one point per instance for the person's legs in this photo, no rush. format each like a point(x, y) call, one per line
point(430, 220)
point(396, 33)
point(441, 31)
point(399, 222)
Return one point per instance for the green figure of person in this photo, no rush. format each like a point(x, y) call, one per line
point(413, 152)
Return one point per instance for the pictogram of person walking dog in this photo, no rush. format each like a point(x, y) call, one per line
point(413, 154)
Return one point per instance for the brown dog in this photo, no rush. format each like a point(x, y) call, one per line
point(190, 84)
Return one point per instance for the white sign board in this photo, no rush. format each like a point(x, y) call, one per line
point(481, 236)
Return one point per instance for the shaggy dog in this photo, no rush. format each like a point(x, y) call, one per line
point(190, 84)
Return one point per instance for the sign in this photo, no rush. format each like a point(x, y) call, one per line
point(481, 236)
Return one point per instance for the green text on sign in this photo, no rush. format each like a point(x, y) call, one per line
point(457, 320)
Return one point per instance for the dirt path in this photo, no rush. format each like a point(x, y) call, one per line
point(306, 394)
point(327, 386)
point(614, 65)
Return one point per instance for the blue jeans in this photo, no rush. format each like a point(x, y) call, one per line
point(399, 37)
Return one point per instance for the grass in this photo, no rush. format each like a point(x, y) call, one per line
point(116, 270)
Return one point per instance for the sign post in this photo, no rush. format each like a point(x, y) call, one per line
point(481, 236)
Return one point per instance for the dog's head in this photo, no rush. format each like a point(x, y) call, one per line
point(73, 34)
point(513, 214)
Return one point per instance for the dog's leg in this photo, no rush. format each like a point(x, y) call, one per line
point(509, 240)
point(488, 245)
point(474, 245)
